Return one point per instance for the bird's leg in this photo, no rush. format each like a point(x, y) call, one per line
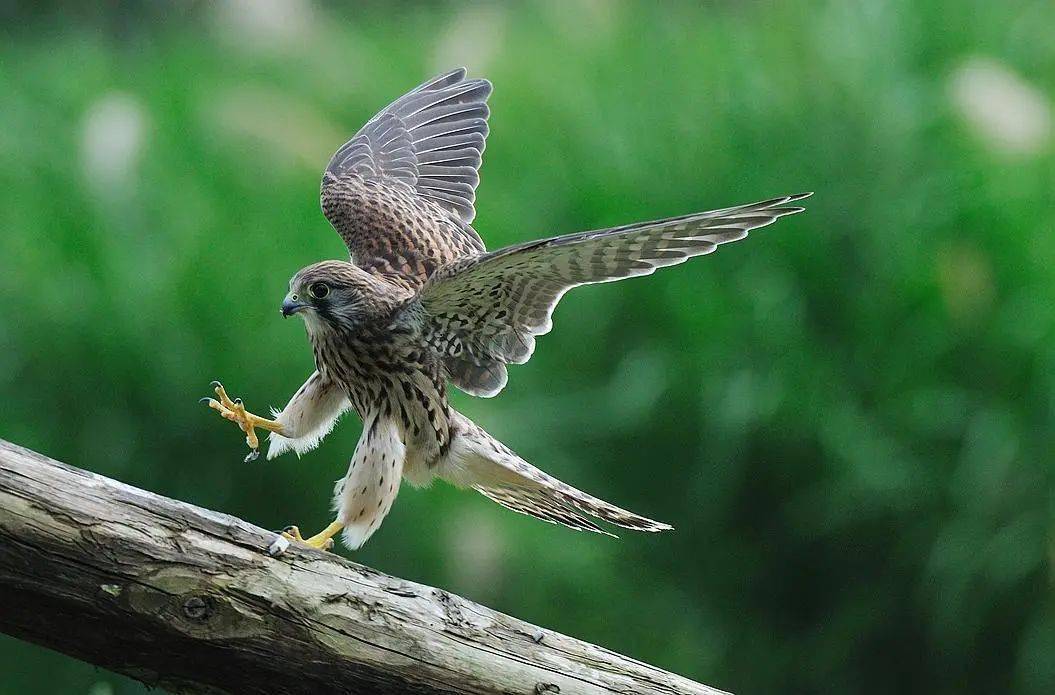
point(323, 540)
point(248, 422)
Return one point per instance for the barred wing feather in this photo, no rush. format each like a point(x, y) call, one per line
point(485, 311)
point(401, 192)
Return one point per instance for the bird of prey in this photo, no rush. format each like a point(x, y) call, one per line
point(422, 304)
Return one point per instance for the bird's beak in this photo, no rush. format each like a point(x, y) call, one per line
point(290, 305)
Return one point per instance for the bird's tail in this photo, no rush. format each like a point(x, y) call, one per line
point(483, 463)
point(559, 503)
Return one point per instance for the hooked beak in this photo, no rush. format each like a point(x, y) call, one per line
point(290, 305)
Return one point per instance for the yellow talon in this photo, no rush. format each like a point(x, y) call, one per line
point(235, 411)
point(323, 540)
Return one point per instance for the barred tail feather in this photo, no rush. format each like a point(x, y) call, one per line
point(558, 503)
point(480, 461)
point(588, 504)
point(537, 504)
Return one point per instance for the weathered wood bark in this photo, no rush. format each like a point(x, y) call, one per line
point(187, 599)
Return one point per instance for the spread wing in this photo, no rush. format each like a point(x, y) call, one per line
point(484, 312)
point(401, 192)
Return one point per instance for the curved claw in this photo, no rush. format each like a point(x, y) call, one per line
point(292, 533)
point(320, 541)
point(234, 410)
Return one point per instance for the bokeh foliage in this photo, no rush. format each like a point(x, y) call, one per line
point(849, 418)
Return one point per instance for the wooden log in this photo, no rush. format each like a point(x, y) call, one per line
point(189, 600)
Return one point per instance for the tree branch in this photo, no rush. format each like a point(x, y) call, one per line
point(187, 599)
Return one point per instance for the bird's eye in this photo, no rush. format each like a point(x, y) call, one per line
point(318, 290)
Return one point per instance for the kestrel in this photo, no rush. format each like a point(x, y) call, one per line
point(422, 303)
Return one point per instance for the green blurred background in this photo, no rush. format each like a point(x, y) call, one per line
point(849, 418)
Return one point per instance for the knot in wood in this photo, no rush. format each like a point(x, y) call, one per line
point(196, 608)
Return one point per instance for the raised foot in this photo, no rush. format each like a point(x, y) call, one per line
point(323, 540)
point(234, 411)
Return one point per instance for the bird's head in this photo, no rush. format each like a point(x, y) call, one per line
point(333, 295)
